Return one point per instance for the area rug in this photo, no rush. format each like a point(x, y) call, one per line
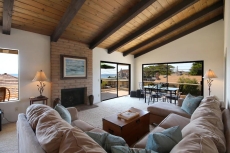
point(85, 107)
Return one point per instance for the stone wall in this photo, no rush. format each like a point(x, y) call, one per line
point(67, 47)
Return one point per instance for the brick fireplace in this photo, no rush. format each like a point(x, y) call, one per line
point(67, 47)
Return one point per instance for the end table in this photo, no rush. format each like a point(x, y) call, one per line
point(34, 99)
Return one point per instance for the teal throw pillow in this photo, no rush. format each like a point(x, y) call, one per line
point(164, 141)
point(190, 103)
point(125, 149)
point(98, 137)
point(112, 140)
point(64, 113)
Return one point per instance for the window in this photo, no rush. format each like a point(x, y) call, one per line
point(186, 76)
point(9, 74)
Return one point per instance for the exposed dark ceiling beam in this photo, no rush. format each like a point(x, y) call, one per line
point(176, 26)
point(158, 20)
point(70, 13)
point(138, 8)
point(197, 27)
point(7, 16)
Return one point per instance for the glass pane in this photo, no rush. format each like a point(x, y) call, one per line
point(108, 81)
point(9, 75)
point(123, 80)
point(187, 76)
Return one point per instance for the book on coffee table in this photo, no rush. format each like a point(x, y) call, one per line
point(127, 115)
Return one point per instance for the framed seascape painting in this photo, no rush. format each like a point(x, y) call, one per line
point(73, 67)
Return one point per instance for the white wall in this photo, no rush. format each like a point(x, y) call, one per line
point(99, 55)
point(227, 49)
point(206, 44)
point(34, 55)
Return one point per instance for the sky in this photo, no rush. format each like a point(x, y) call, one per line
point(182, 66)
point(8, 63)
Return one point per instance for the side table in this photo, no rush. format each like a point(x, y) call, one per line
point(43, 99)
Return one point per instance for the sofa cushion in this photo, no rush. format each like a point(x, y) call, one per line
point(75, 140)
point(50, 130)
point(164, 109)
point(98, 130)
point(34, 113)
point(84, 126)
point(112, 140)
point(64, 113)
point(98, 137)
point(226, 121)
point(164, 141)
point(204, 128)
point(190, 103)
point(125, 149)
point(194, 143)
point(143, 141)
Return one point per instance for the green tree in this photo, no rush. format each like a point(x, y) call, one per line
point(187, 88)
point(149, 71)
point(196, 68)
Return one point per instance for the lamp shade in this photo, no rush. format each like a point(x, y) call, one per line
point(40, 76)
point(210, 74)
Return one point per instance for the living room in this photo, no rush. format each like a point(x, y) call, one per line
point(36, 52)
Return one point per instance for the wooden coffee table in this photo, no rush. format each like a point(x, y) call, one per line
point(131, 130)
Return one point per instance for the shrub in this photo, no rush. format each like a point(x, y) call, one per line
point(186, 88)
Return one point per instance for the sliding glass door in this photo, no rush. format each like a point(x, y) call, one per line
point(114, 80)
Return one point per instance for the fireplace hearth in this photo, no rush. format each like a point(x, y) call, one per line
point(73, 97)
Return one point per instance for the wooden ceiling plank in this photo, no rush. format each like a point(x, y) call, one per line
point(176, 26)
point(36, 10)
point(70, 13)
point(42, 7)
point(52, 5)
point(197, 27)
point(160, 19)
point(7, 16)
point(36, 15)
point(25, 16)
point(121, 22)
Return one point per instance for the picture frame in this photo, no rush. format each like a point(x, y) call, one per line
point(73, 67)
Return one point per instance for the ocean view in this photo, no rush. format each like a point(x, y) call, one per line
point(108, 75)
point(15, 75)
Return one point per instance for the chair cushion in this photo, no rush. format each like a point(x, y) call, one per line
point(190, 103)
point(164, 141)
point(64, 113)
point(164, 109)
point(194, 143)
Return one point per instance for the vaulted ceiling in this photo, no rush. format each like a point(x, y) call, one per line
point(129, 26)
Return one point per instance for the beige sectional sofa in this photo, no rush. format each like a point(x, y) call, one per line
point(208, 129)
point(43, 130)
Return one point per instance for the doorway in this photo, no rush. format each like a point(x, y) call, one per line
point(115, 80)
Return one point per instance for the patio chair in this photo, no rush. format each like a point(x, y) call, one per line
point(141, 92)
point(174, 96)
point(3, 94)
point(156, 93)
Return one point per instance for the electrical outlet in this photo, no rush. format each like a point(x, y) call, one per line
point(16, 108)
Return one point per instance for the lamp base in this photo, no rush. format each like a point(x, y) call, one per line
point(40, 96)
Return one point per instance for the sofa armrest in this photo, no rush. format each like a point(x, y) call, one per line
point(73, 112)
point(180, 102)
point(174, 120)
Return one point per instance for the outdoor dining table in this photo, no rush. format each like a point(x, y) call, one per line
point(172, 90)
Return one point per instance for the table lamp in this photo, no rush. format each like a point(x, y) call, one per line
point(209, 75)
point(40, 76)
